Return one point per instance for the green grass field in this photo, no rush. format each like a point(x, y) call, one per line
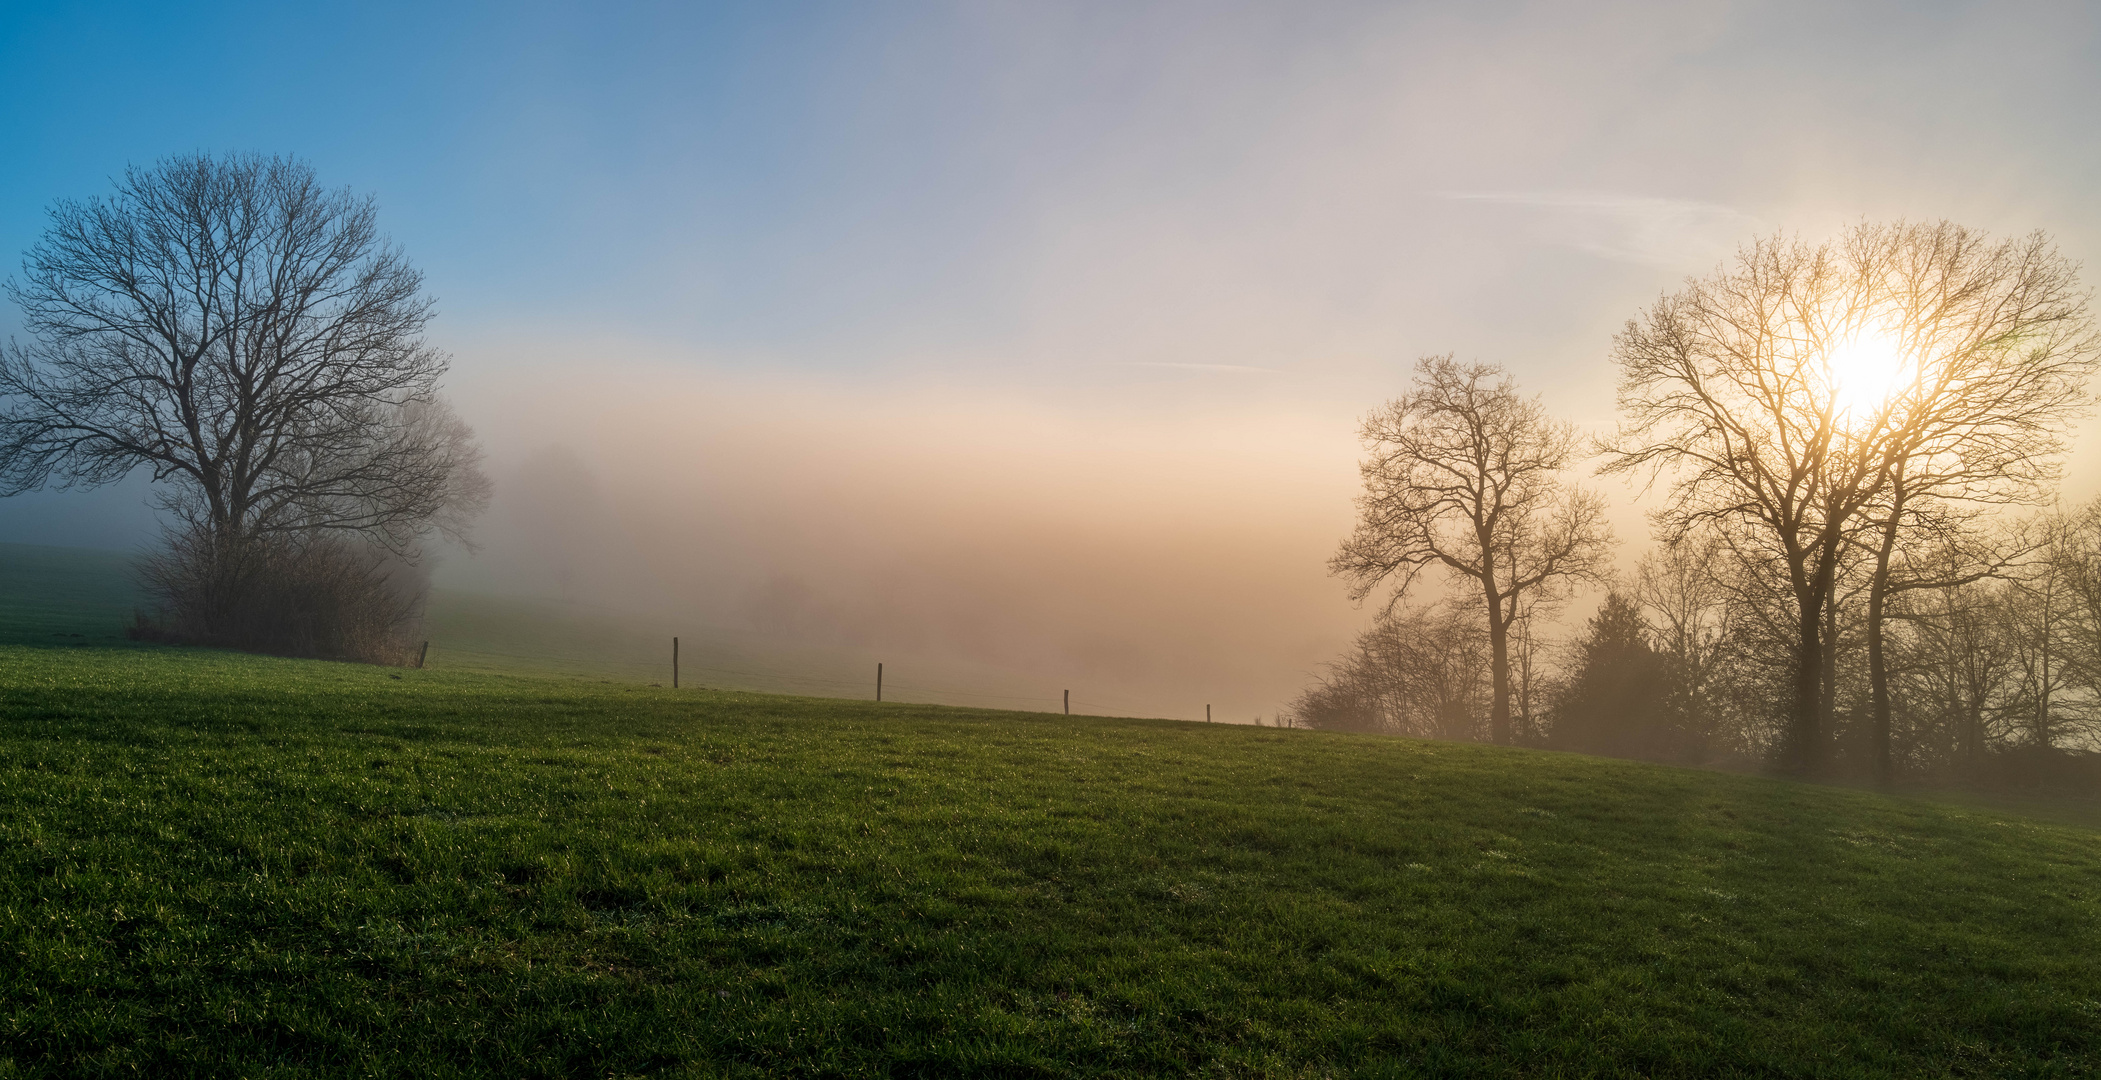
point(214, 864)
point(519, 636)
point(64, 596)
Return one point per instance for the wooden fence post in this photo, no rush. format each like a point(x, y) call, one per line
point(1068, 703)
point(879, 680)
point(422, 656)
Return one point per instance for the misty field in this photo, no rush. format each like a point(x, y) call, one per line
point(219, 864)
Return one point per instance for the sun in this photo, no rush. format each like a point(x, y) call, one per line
point(1864, 371)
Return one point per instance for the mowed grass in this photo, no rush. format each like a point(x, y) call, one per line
point(214, 864)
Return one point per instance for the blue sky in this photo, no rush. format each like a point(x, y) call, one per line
point(525, 155)
point(846, 185)
point(1122, 273)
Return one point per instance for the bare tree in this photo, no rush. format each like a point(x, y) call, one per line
point(2076, 562)
point(2040, 609)
point(1530, 679)
point(250, 338)
point(1843, 396)
point(1466, 475)
point(1688, 610)
point(1991, 348)
point(1955, 656)
point(1920, 544)
point(1417, 671)
point(1727, 385)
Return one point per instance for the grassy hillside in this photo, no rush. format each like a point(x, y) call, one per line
point(51, 595)
point(214, 864)
point(538, 636)
point(517, 635)
point(228, 864)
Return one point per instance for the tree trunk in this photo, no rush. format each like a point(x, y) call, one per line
point(1499, 674)
point(1827, 692)
point(2042, 686)
point(1878, 689)
point(1804, 755)
point(1973, 735)
point(1878, 669)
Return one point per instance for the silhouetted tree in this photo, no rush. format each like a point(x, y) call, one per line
point(2039, 609)
point(1951, 656)
point(1841, 396)
point(248, 337)
point(1727, 385)
point(1619, 698)
point(2053, 616)
point(1692, 622)
point(1466, 475)
point(1992, 349)
point(1417, 671)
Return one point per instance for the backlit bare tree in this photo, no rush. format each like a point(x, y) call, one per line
point(1991, 348)
point(1727, 386)
point(1687, 608)
point(1840, 400)
point(1417, 671)
point(1466, 476)
point(1954, 654)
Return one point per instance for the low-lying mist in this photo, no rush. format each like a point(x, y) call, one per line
point(978, 545)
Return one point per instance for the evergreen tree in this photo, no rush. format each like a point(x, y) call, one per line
point(1619, 700)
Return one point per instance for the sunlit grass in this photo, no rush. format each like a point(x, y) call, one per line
point(218, 864)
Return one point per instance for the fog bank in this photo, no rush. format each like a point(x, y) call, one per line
point(1150, 564)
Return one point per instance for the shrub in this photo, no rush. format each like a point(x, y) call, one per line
point(293, 594)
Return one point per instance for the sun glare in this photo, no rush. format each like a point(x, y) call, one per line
point(1864, 371)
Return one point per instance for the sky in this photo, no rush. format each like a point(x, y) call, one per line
point(1035, 335)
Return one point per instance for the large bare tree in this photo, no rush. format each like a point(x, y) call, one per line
point(1990, 349)
point(1836, 398)
point(249, 337)
point(1467, 476)
point(1727, 386)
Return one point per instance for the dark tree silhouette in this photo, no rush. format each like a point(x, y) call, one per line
point(1809, 395)
point(250, 338)
point(1467, 476)
point(1995, 349)
point(1620, 696)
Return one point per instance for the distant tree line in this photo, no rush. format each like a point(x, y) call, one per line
point(1860, 568)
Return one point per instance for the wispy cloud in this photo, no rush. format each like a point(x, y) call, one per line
point(1201, 367)
point(1628, 228)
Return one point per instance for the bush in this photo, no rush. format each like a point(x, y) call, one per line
point(1621, 698)
point(1417, 671)
point(311, 595)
